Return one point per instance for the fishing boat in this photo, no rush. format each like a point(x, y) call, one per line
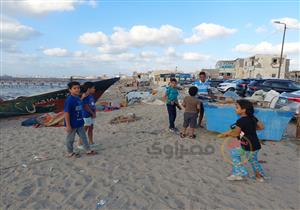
point(47, 102)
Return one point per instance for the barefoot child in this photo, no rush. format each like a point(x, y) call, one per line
point(245, 131)
point(74, 121)
point(192, 108)
point(89, 111)
point(172, 102)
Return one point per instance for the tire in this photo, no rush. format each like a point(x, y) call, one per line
point(230, 89)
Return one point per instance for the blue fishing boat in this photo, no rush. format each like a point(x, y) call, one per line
point(219, 118)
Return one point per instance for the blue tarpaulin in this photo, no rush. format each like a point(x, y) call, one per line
point(220, 118)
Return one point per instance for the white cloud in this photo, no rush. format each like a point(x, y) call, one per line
point(171, 52)
point(260, 29)
point(114, 58)
point(290, 23)
point(140, 36)
point(266, 47)
point(42, 7)
point(93, 39)
point(57, 52)
point(207, 31)
point(148, 54)
point(112, 49)
point(14, 30)
point(192, 56)
point(248, 25)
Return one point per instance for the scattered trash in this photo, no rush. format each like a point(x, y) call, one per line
point(136, 96)
point(231, 94)
point(130, 117)
point(116, 181)
point(100, 204)
point(107, 108)
point(50, 119)
point(257, 96)
point(24, 165)
point(40, 157)
point(272, 97)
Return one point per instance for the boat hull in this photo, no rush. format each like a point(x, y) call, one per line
point(48, 102)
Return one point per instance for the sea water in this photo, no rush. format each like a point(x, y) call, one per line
point(8, 92)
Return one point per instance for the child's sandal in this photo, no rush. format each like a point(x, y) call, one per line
point(182, 135)
point(192, 136)
point(92, 152)
point(73, 154)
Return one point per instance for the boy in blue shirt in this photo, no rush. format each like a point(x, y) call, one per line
point(89, 111)
point(74, 121)
point(172, 102)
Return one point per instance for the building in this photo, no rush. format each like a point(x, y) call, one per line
point(264, 66)
point(157, 78)
point(163, 77)
point(294, 75)
point(210, 73)
point(227, 68)
point(257, 66)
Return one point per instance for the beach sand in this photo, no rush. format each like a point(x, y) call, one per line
point(126, 176)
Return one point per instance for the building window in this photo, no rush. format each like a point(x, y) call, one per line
point(228, 74)
point(274, 60)
point(273, 75)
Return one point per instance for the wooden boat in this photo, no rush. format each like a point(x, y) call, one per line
point(47, 102)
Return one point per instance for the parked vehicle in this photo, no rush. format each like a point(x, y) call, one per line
point(280, 85)
point(241, 86)
point(215, 82)
point(185, 82)
point(289, 100)
point(254, 86)
point(228, 85)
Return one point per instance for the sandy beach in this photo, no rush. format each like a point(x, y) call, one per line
point(139, 166)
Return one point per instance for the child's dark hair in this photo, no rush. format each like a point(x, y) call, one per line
point(247, 105)
point(173, 80)
point(193, 91)
point(87, 85)
point(73, 83)
point(202, 73)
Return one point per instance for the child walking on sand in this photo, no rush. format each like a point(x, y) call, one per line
point(89, 111)
point(245, 131)
point(74, 121)
point(172, 102)
point(192, 108)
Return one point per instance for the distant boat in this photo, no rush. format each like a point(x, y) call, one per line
point(47, 102)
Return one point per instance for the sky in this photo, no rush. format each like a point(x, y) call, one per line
point(92, 38)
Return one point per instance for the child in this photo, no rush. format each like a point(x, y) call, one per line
point(73, 120)
point(245, 131)
point(192, 108)
point(172, 102)
point(89, 111)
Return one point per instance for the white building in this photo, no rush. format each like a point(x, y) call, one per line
point(257, 66)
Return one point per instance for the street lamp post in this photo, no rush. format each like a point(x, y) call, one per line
point(280, 61)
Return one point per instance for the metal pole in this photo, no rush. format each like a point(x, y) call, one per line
point(280, 61)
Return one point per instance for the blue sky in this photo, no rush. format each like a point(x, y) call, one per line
point(63, 38)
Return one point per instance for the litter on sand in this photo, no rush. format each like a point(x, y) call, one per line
point(100, 204)
point(130, 117)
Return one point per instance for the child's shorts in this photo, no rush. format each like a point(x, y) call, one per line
point(190, 119)
point(88, 121)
